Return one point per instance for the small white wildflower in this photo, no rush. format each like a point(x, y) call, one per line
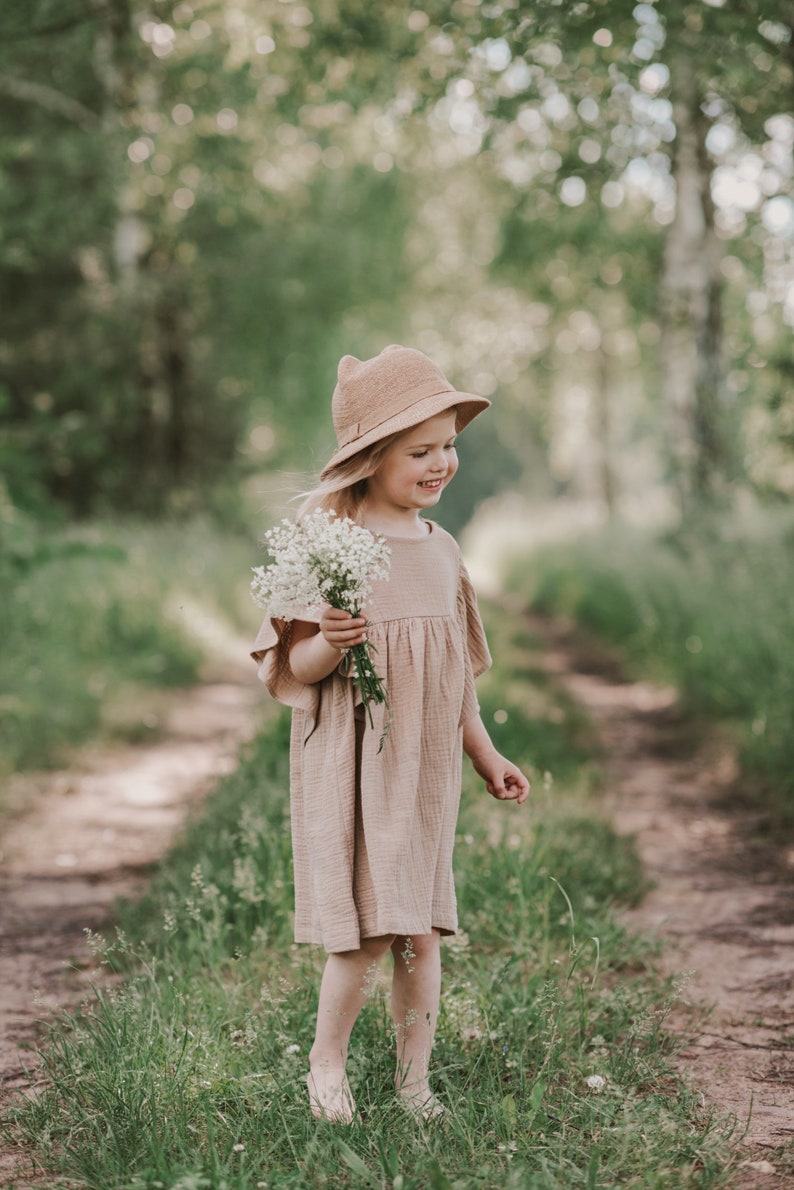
point(408, 954)
point(238, 1148)
point(293, 1049)
point(596, 1082)
point(471, 1033)
point(245, 880)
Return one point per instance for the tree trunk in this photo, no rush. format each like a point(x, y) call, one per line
point(603, 427)
point(176, 376)
point(146, 302)
point(690, 302)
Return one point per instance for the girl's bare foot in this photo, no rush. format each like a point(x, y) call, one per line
point(330, 1097)
point(419, 1102)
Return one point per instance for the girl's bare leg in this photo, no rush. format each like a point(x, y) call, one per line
point(416, 989)
point(347, 981)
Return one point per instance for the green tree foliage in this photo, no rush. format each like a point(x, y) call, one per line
point(624, 132)
point(184, 240)
point(203, 205)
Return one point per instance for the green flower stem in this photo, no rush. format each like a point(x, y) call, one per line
point(367, 679)
point(365, 675)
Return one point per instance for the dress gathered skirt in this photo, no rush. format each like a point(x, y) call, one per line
point(373, 832)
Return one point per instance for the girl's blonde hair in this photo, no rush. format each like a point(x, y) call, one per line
point(344, 489)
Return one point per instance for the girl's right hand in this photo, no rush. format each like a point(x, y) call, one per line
point(341, 630)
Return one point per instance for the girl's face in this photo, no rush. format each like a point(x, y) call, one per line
point(417, 466)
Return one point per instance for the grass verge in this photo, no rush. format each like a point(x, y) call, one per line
point(95, 612)
point(711, 612)
point(551, 1051)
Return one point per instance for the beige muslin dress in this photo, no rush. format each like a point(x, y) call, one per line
point(373, 833)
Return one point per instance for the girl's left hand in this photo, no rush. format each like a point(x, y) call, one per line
point(503, 780)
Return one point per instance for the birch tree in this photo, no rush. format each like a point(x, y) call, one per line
point(690, 287)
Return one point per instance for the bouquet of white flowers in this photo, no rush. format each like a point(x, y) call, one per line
point(324, 560)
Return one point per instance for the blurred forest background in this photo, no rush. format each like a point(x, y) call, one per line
point(581, 210)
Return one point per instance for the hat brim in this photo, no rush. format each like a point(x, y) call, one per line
point(467, 406)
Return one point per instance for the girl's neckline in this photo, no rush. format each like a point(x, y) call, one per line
point(411, 540)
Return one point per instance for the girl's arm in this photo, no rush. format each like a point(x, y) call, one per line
point(315, 648)
point(502, 779)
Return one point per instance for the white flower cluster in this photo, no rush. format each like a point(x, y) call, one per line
point(323, 559)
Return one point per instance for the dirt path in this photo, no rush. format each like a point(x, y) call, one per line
point(90, 838)
point(722, 902)
point(723, 905)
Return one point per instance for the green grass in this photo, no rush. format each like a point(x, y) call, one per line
point(188, 1072)
point(712, 612)
point(92, 614)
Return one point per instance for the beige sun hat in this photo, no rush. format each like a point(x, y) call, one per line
point(391, 392)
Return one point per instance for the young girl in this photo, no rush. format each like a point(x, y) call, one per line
point(373, 832)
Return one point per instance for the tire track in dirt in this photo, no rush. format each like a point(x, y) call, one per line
point(91, 837)
point(722, 901)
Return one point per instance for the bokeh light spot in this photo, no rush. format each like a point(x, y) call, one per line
point(227, 119)
point(573, 191)
point(140, 150)
point(417, 21)
point(183, 198)
point(263, 438)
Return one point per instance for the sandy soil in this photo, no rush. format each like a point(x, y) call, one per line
point(91, 837)
point(722, 902)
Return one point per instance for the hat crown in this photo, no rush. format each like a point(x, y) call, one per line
point(368, 392)
point(388, 394)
